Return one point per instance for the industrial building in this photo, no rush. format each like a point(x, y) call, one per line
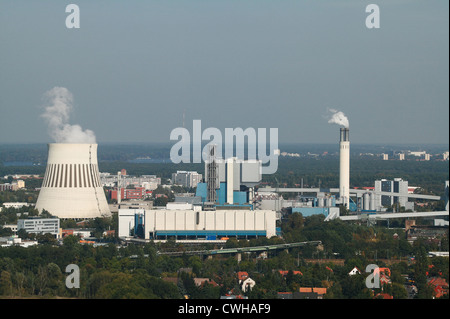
point(359, 202)
point(228, 203)
point(221, 208)
point(71, 186)
point(399, 190)
point(149, 182)
point(194, 223)
point(230, 181)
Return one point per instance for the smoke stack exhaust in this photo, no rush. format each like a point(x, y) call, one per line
point(344, 170)
point(71, 187)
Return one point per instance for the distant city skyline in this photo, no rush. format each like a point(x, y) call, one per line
point(136, 70)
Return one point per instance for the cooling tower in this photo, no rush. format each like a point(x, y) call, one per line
point(71, 187)
point(344, 171)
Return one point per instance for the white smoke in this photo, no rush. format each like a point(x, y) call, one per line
point(338, 117)
point(59, 105)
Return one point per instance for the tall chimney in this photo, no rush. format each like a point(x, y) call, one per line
point(344, 171)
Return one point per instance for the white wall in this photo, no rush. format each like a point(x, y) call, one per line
point(207, 220)
point(126, 221)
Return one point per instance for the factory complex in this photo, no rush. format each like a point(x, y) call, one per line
point(228, 200)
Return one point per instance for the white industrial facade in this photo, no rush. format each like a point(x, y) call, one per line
point(71, 186)
point(126, 221)
point(181, 223)
point(399, 190)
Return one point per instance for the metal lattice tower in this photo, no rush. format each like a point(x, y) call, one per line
point(212, 178)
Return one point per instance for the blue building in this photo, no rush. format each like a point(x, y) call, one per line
point(240, 198)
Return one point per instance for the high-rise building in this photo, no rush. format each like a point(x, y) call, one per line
point(186, 178)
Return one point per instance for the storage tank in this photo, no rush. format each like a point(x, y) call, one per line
point(366, 201)
point(372, 201)
point(321, 201)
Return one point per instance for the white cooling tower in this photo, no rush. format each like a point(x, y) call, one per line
point(344, 171)
point(71, 187)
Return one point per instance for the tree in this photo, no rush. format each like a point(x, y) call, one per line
point(353, 287)
point(399, 291)
point(161, 201)
point(46, 238)
point(42, 279)
point(420, 270)
point(6, 287)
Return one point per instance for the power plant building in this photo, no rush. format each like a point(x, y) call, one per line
point(233, 183)
point(221, 207)
point(398, 190)
point(161, 224)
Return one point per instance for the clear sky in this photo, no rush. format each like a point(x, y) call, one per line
point(134, 67)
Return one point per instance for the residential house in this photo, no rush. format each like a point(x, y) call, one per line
point(385, 274)
point(439, 285)
point(200, 282)
point(245, 282)
point(354, 271)
point(310, 293)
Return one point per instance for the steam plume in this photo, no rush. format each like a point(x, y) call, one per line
point(339, 118)
point(59, 105)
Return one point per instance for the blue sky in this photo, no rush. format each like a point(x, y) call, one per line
point(134, 67)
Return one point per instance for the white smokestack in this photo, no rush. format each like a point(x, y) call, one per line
point(344, 167)
point(59, 105)
point(338, 117)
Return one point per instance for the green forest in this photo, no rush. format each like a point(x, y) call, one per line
point(137, 271)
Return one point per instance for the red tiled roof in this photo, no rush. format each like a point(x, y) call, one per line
point(285, 272)
point(242, 275)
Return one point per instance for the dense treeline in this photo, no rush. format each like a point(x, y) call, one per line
point(322, 172)
point(137, 271)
